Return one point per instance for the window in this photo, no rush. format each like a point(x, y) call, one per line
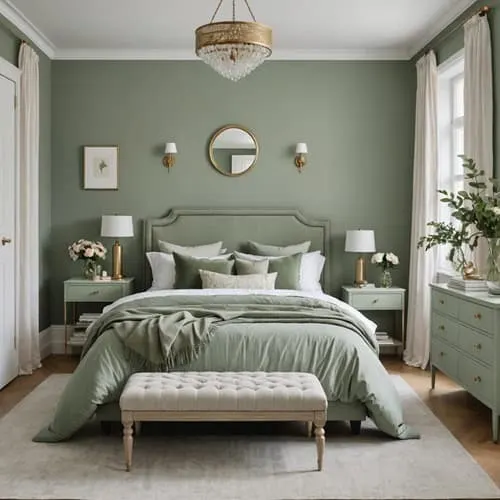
point(450, 138)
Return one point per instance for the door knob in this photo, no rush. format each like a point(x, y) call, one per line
point(6, 241)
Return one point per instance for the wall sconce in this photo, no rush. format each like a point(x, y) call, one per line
point(300, 155)
point(170, 152)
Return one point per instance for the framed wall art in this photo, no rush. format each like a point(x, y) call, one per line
point(100, 167)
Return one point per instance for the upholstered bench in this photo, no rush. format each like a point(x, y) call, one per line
point(223, 396)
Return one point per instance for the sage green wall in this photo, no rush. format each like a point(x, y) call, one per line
point(357, 118)
point(451, 40)
point(10, 40)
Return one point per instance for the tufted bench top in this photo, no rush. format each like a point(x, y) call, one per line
point(223, 391)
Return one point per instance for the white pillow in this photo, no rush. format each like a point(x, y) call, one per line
point(311, 267)
point(211, 250)
point(210, 279)
point(163, 269)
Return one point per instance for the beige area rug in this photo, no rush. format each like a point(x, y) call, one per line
point(234, 461)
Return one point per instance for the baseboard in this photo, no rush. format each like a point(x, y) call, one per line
point(45, 342)
point(52, 341)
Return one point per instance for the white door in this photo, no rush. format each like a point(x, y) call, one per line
point(8, 344)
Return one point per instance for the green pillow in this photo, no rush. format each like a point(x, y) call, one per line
point(288, 269)
point(187, 269)
point(252, 266)
point(275, 251)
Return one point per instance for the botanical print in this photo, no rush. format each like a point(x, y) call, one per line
point(100, 167)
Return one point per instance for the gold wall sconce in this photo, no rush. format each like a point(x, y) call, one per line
point(170, 152)
point(301, 155)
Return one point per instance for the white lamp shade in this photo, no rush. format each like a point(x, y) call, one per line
point(360, 241)
point(117, 226)
point(301, 148)
point(171, 148)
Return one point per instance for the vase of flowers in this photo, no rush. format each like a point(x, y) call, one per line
point(91, 252)
point(385, 261)
point(477, 215)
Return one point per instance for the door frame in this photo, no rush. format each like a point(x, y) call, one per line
point(13, 73)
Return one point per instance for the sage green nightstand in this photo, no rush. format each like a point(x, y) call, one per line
point(78, 291)
point(380, 299)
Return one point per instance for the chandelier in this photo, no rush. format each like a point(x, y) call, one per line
point(233, 48)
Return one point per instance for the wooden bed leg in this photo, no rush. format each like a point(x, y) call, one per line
point(128, 442)
point(320, 445)
point(356, 427)
point(106, 427)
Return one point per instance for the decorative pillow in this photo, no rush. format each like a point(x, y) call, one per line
point(204, 251)
point(210, 279)
point(252, 266)
point(163, 269)
point(187, 269)
point(311, 267)
point(277, 251)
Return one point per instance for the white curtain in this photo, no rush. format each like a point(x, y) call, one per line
point(424, 209)
point(27, 221)
point(478, 104)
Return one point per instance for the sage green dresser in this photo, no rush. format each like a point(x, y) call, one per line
point(465, 343)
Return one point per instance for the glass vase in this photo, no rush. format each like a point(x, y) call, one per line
point(385, 279)
point(493, 273)
point(90, 269)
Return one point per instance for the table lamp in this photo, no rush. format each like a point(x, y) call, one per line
point(117, 226)
point(360, 241)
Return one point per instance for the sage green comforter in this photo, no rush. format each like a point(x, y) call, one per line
point(228, 333)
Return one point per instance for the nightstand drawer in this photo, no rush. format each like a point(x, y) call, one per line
point(377, 301)
point(445, 304)
point(477, 316)
point(477, 379)
point(444, 328)
point(477, 345)
point(93, 293)
point(445, 358)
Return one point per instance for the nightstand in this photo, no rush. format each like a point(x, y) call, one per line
point(380, 299)
point(78, 291)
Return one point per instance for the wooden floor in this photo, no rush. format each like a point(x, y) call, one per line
point(467, 419)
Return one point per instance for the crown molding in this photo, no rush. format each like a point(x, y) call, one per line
point(25, 26)
point(441, 24)
point(189, 55)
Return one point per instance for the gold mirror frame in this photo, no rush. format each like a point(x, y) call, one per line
point(216, 134)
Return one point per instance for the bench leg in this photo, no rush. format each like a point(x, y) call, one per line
point(320, 445)
point(128, 442)
point(309, 428)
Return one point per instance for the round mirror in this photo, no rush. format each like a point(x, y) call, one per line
point(233, 150)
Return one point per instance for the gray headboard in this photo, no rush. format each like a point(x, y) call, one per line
point(195, 226)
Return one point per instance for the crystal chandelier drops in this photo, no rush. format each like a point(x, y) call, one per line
point(233, 48)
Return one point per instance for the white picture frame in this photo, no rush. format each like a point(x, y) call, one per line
point(100, 167)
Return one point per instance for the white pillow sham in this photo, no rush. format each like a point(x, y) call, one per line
point(163, 269)
point(209, 279)
point(210, 250)
point(311, 267)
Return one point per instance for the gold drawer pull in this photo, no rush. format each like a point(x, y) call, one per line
point(374, 301)
point(478, 347)
point(441, 353)
point(441, 302)
point(477, 379)
point(477, 316)
point(441, 327)
point(95, 292)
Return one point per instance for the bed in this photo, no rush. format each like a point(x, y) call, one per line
point(366, 389)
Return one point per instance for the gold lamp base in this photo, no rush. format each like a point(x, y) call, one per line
point(360, 280)
point(117, 261)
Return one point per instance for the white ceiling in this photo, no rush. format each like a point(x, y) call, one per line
point(164, 29)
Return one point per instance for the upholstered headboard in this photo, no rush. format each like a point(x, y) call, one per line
point(194, 226)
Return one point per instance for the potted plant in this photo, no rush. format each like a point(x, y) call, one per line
point(90, 252)
point(385, 261)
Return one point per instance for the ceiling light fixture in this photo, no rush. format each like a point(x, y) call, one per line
point(234, 48)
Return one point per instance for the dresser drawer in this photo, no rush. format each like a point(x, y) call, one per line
point(445, 328)
point(93, 293)
point(445, 304)
point(477, 316)
point(445, 358)
point(374, 300)
point(477, 379)
point(477, 345)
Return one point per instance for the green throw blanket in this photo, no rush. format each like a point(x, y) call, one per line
point(228, 333)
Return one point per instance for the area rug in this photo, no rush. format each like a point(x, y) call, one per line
point(234, 461)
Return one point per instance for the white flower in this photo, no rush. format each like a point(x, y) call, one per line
point(377, 258)
point(393, 259)
point(89, 252)
point(496, 210)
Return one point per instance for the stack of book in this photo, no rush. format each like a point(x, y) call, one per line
point(468, 285)
point(79, 335)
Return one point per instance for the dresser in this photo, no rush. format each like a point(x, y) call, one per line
point(465, 343)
